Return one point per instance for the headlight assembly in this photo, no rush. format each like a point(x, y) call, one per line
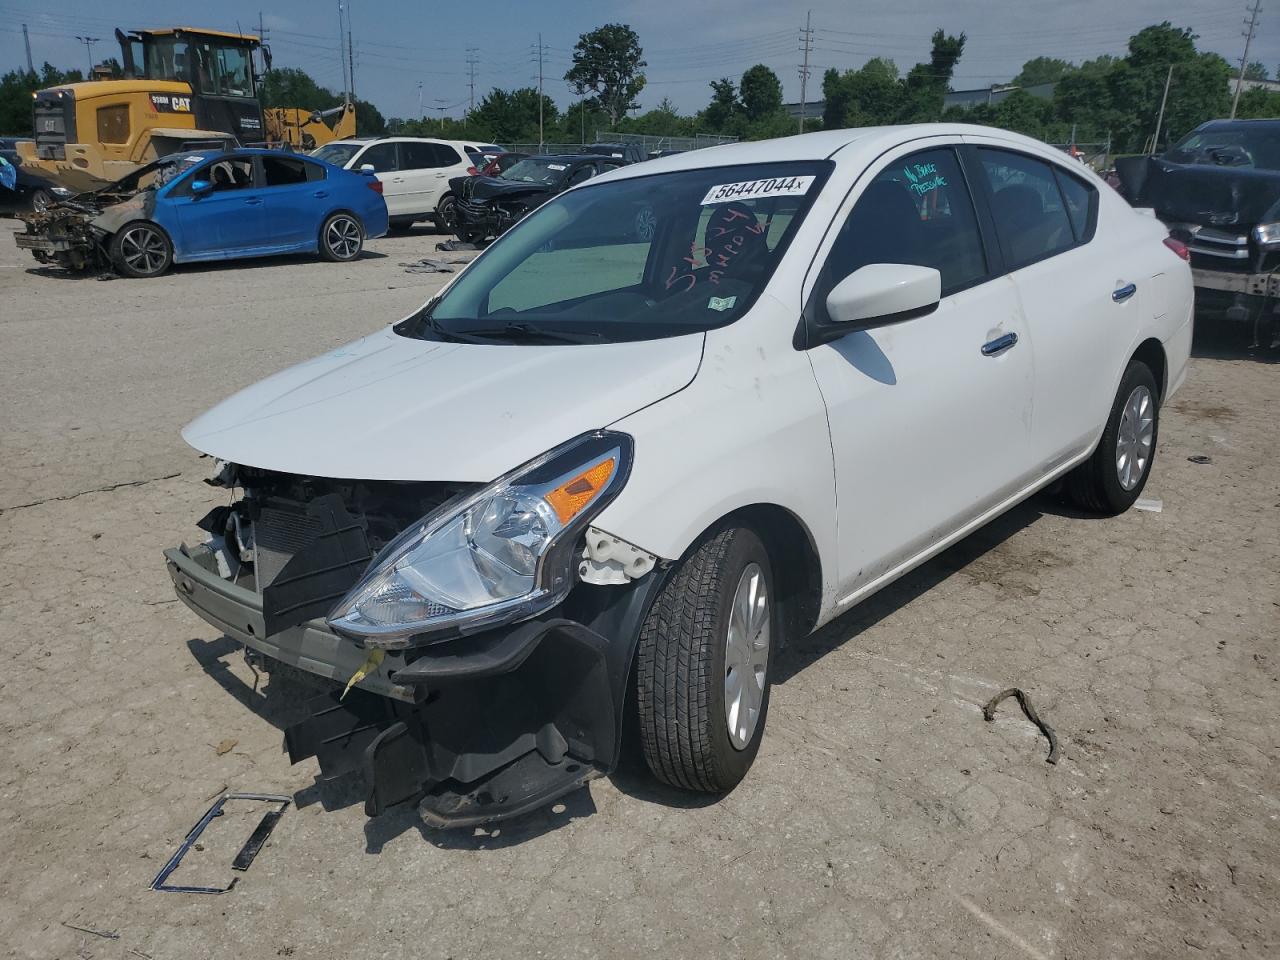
point(502, 555)
point(1267, 234)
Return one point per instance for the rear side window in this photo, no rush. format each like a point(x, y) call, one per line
point(1081, 200)
point(282, 171)
point(445, 155)
point(1030, 215)
point(916, 211)
point(416, 156)
point(382, 156)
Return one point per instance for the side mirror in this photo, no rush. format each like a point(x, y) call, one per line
point(367, 169)
point(883, 293)
point(199, 187)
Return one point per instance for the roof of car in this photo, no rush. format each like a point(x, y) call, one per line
point(809, 146)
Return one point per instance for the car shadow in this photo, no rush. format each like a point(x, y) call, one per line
point(802, 654)
point(1216, 339)
point(207, 266)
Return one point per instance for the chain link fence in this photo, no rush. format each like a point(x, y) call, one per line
point(648, 143)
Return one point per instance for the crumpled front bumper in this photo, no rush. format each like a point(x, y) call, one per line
point(478, 728)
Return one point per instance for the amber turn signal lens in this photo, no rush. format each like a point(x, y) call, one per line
point(568, 499)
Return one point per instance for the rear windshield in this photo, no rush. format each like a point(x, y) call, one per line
point(339, 154)
point(1246, 145)
point(631, 259)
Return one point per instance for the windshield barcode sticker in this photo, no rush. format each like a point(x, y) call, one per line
point(755, 189)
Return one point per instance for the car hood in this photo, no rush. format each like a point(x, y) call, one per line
point(1209, 195)
point(486, 188)
point(392, 408)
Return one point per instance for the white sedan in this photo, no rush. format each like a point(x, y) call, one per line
point(598, 468)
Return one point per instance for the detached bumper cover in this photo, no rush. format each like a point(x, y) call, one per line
point(479, 728)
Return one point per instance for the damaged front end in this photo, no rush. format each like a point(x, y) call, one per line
point(486, 683)
point(490, 206)
point(65, 235)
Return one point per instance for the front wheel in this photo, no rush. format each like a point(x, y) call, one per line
point(1113, 478)
point(341, 238)
point(141, 250)
point(702, 667)
point(41, 200)
point(446, 215)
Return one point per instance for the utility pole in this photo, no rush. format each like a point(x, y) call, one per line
point(806, 44)
point(342, 61)
point(473, 60)
point(88, 45)
point(420, 115)
point(1160, 116)
point(1252, 25)
point(26, 38)
point(541, 52)
point(351, 57)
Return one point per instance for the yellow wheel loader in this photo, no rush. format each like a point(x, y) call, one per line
point(183, 87)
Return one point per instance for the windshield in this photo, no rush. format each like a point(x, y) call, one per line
point(537, 170)
point(155, 175)
point(339, 154)
point(1242, 145)
point(634, 259)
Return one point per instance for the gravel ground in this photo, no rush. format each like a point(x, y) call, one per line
point(883, 817)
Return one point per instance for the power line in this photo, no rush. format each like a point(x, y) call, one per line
point(473, 60)
point(88, 45)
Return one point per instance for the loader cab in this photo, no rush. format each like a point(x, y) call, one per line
point(218, 68)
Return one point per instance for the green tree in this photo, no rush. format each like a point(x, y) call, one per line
point(724, 106)
point(511, 116)
point(1256, 104)
point(760, 92)
point(1042, 70)
point(607, 63)
point(927, 83)
point(871, 95)
point(1256, 71)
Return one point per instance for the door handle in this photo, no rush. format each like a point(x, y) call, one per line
point(1122, 294)
point(999, 345)
point(254, 201)
point(321, 193)
point(397, 179)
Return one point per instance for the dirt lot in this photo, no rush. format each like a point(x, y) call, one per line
point(883, 818)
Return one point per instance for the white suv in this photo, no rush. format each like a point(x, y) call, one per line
point(414, 171)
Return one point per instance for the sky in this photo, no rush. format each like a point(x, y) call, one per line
point(400, 44)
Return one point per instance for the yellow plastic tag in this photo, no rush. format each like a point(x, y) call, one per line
point(366, 668)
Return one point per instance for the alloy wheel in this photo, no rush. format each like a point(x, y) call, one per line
point(343, 237)
point(143, 250)
point(1135, 437)
point(746, 656)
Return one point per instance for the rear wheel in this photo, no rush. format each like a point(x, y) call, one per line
point(341, 238)
point(41, 200)
point(702, 667)
point(446, 215)
point(141, 250)
point(1113, 478)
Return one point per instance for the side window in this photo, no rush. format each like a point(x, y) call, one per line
point(416, 156)
point(314, 170)
point(283, 171)
point(1030, 215)
point(1081, 200)
point(381, 155)
point(235, 173)
point(445, 155)
point(917, 211)
point(581, 175)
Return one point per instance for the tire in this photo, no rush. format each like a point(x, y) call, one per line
point(41, 200)
point(684, 660)
point(446, 217)
point(141, 250)
point(1113, 478)
point(341, 238)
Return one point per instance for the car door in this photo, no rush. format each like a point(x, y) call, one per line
point(418, 176)
point(1080, 300)
point(296, 198)
point(384, 158)
point(929, 417)
point(228, 219)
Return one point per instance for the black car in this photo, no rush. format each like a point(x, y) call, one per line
point(488, 206)
point(32, 191)
point(1218, 191)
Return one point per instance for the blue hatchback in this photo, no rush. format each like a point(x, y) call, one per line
point(223, 204)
